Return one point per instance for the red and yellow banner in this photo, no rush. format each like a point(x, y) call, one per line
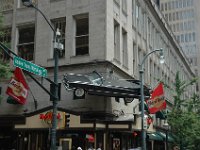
point(157, 101)
point(18, 88)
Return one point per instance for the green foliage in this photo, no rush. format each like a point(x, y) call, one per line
point(4, 66)
point(184, 118)
point(5, 71)
point(1, 23)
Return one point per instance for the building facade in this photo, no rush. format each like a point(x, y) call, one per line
point(108, 37)
point(182, 16)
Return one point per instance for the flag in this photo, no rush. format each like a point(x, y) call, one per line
point(18, 88)
point(157, 101)
point(90, 137)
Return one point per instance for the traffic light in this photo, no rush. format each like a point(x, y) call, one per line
point(52, 90)
point(67, 120)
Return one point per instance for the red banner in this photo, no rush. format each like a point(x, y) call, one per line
point(18, 88)
point(157, 101)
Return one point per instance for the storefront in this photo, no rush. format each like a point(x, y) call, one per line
point(34, 133)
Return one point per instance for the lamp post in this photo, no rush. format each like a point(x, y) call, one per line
point(166, 126)
point(141, 73)
point(56, 46)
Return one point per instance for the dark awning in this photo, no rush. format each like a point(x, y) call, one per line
point(154, 137)
point(95, 84)
point(163, 135)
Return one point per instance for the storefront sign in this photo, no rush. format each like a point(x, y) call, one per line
point(47, 117)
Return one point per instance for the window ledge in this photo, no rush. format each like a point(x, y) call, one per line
point(85, 55)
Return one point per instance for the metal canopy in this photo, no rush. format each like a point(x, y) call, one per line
point(154, 137)
point(95, 84)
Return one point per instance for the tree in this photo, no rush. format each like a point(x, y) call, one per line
point(184, 118)
point(4, 66)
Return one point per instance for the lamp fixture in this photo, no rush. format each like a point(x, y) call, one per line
point(162, 58)
point(27, 3)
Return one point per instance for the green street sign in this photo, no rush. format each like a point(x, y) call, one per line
point(28, 66)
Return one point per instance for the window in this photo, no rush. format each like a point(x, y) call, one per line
point(137, 11)
point(184, 3)
point(124, 6)
point(165, 6)
point(166, 17)
point(162, 7)
point(26, 43)
point(125, 48)
point(190, 37)
point(180, 4)
point(61, 25)
point(82, 35)
point(177, 26)
point(134, 57)
point(173, 4)
point(133, 12)
point(151, 71)
point(182, 38)
point(174, 16)
point(149, 30)
point(116, 40)
point(193, 36)
point(186, 37)
point(169, 5)
point(139, 18)
point(185, 26)
point(181, 26)
point(170, 17)
point(178, 38)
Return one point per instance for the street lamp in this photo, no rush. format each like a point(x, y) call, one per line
point(141, 72)
point(57, 47)
point(166, 126)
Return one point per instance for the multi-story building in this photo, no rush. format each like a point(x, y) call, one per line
point(182, 16)
point(108, 37)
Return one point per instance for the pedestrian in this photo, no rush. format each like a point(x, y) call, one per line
point(79, 148)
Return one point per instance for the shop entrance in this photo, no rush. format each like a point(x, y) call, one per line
point(65, 143)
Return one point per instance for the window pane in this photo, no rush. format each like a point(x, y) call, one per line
point(26, 51)
point(82, 45)
point(82, 36)
point(26, 43)
point(82, 26)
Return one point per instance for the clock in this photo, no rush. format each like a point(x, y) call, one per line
point(79, 92)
